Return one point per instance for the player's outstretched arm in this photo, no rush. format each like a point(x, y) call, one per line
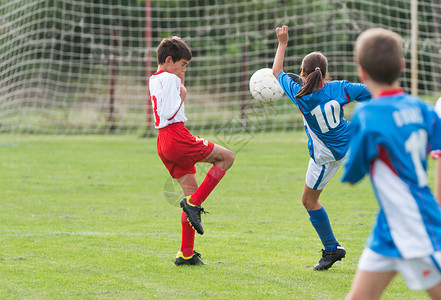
point(282, 36)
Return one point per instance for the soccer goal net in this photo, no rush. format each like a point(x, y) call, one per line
point(80, 66)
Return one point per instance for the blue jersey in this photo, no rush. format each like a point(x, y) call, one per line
point(390, 138)
point(323, 115)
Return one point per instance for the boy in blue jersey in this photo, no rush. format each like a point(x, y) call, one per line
point(321, 104)
point(390, 138)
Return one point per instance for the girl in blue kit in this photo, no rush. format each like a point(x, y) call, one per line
point(321, 104)
point(391, 137)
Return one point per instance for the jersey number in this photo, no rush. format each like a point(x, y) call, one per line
point(155, 110)
point(416, 146)
point(332, 113)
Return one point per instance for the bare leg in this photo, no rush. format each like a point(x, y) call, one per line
point(369, 285)
point(310, 198)
point(220, 157)
point(435, 292)
point(188, 184)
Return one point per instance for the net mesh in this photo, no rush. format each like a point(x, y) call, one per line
point(80, 66)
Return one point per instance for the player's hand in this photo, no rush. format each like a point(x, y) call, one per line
point(182, 77)
point(282, 34)
point(183, 92)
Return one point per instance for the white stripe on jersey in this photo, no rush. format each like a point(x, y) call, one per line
point(409, 234)
point(322, 154)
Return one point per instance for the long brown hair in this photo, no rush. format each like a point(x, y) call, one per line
point(315, 69)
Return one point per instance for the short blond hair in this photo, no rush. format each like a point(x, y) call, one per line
point(379, 52)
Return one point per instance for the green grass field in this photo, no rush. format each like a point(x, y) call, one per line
point(86, 217)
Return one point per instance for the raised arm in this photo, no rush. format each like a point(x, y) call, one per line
point(282, 36)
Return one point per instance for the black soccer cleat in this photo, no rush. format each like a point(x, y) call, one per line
point(329, 258)
point(194, 214)
point(194, 260)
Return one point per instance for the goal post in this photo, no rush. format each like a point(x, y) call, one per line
point(82, 66)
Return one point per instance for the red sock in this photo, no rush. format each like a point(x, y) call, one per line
point(187, 244)
point(212, 178)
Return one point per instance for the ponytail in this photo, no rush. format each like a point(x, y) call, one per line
point(314, 68)
point(314, 81)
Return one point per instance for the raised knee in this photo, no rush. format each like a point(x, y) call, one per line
point(305, 202)
point(310, 204)
point(230, 157)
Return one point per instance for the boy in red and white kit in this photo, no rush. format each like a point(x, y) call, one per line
point(178, 149)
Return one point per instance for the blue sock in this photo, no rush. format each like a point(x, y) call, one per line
point(320, 221)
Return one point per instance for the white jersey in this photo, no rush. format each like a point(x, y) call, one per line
point(165, 94)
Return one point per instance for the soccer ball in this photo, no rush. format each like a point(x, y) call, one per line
point(264, 86)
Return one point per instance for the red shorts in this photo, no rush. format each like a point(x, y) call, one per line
point(179, 150)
